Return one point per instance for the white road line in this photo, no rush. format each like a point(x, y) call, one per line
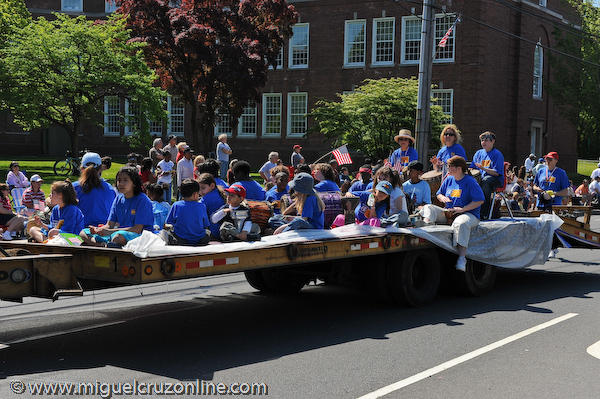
point(594, 350)
point(2, 346)
point(461, 359)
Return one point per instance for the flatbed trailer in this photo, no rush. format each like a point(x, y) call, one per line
point(396, 267)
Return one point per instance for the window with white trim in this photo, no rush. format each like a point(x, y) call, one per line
point(298, 55)
point(247, 122)
point(110, 6)
point(445, 99)
point(156, 128)
point(538, 70)
point(279, 60)
point(71, 5)
point(176, 110)
point(411, 39)
point(112, 125)
point(355, 40)
point(223, 124)
point(133, 117)
point(542, 3)
point(271, 115)
point(383, 41)
point(296, 115)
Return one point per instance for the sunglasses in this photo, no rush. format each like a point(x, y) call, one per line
point(449, 134)
point(487, 138)
point(402, 139)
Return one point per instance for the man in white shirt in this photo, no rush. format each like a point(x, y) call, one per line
point(595, 188)
point(185, 167)
point(529, 163)
point(596, 172)
point(265, 171)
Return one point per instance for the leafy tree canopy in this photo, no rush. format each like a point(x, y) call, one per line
point(215, 53)
point(575, 86)
point(369, 118)
point(60, 71)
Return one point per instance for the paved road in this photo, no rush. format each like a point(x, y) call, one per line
point(325, 343)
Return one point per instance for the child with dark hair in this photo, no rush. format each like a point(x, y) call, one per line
point(345, 175)
point(281, 188)
point(213, 198)
point(130, 214)
point(325, 174)
point(365, 173)
point(241, 172)
point(146, 173)
point(106, 164)
point(188, 217)
point(234, 217)
point(95, 195)
point(66, 216)
point(303, 168)
point(212, 166)
point(160, 208)
point(230, 175)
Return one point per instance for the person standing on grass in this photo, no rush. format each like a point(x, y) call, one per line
point(296, 157)
point(95, 196)
point(223, 153)
point(265, 171)
point(156, 153)
point(185, 167)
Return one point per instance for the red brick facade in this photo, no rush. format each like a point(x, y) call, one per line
point(491, 78)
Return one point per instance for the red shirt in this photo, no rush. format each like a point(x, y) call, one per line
point(5, 203)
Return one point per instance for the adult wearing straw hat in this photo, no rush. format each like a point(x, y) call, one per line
point(406, 153)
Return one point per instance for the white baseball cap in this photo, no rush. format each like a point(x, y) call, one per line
point(36, 178)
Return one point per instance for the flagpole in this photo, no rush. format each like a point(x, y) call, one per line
point(322, 157)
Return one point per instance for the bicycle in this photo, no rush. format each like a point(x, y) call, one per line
point(69, 165)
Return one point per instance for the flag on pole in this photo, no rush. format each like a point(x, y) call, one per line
point(442, 42)
point(341, 155)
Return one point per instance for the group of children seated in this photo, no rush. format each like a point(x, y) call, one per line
point(209, 209)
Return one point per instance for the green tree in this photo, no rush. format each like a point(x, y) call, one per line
point(369, 118)
point(575, 86)
point(60, 71)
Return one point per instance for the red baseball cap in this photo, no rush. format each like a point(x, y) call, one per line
point(297, 146)
point(364, 170)
point(552, 154)
point(237, 189)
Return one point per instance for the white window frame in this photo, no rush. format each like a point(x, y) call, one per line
point(289, 114)
point(107, 132)
point(170, 117)
point(240, 132)
point(374, 44)
point(128, 131)
point(217, 128)
point(77, 9)
point(110, 6)
point(542, 3)
point(539, 94)
point(436, 40)
point(291, 48)
point(347, 23)
point(264, 115)
point(451, 91)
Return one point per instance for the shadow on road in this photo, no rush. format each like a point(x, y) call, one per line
point(187, 342)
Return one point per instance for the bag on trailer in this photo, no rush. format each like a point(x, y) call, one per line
point(333, 206)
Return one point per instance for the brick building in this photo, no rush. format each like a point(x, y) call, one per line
point(486, 79)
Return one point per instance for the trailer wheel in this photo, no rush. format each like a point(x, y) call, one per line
point(282, 281)
point(414, 281)
point(255, 279)
point(479, 278)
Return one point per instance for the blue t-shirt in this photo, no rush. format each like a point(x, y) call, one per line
point(359, 211)
point(445, 153)
point(313, 213)
point(189, 219)
point(95, 204)
point(72, 216)
point(462, 192)
point(213, 202)
point(419, 192)
point(274, 195)
point(556, 181)
point(403, 158)
point(221, 182)
point(131, 211)
point(254, 191)
point(160, 211)
point(326, 186)
point(359, 186)
point(493, 159)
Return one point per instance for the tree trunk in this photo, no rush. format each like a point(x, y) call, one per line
point(74, 136)
point(194, 125)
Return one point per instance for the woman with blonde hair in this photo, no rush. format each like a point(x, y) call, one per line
point(197, 161)
point(180, 148)
point(450, 138)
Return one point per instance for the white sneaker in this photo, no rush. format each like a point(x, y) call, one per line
point(461, 263)
point(553, 253)
point(6, 236)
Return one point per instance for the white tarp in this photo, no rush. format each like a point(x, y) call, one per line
point(504, 243)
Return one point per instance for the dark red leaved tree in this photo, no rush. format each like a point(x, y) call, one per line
point(215, 54)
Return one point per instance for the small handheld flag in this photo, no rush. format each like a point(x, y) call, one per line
point(341, 155)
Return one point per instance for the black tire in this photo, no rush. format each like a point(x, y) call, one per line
point(478, 279)
point(414, 279)
point(283, 282)
point(255, 279)
point(62, 168)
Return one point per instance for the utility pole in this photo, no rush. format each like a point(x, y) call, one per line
point(423, 124)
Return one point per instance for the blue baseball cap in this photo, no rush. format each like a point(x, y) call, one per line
point(384, 186)
point(91, 158)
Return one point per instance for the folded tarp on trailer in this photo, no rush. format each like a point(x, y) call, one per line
point(505, 243)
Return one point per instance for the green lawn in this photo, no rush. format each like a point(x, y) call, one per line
point(45, 170)
point(585, 167)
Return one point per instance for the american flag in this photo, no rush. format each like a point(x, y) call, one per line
point(442, 42)
point(342, 156)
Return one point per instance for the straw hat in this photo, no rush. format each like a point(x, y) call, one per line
point(404, 133)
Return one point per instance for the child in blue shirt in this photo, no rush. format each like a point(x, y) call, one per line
point(160, 208)
point(188, 217)
point(325, 174)
point(241, 172)
point(95, 196)
point(130, 214)
point(416, 190)
point(308, 206)
point(66, 216)
point(490, 162)
point(213, 199)
point(281, 188)
point(364, 182)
